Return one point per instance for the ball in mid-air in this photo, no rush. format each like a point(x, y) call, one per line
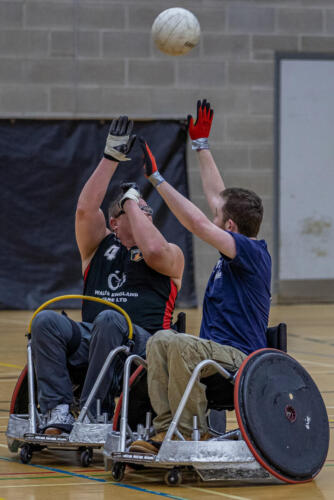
point(176, 31)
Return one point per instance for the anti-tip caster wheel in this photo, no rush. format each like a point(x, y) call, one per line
point(26, 454)
point(173, 477)
point(86, 457)
point(117, 471)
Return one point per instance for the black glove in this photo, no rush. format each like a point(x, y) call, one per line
point(119, 140)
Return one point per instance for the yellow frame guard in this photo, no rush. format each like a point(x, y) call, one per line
point(84, 297)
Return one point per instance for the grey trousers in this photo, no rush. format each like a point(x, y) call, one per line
point(51, 336)
point(171, 359)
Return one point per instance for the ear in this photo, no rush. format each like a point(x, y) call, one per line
point(231, 226)
point(112, 223)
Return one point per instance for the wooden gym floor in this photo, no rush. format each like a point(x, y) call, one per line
point(55, 474)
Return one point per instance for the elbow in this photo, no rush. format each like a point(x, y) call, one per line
point(153, 254)
point(81, 211)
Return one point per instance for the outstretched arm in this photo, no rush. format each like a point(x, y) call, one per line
point(199, 132)
point(162, 256)
point(190, 216)
point(90, 226)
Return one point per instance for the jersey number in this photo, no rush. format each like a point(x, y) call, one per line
point(111, 252)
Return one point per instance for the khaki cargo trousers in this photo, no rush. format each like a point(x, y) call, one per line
point(171, 359)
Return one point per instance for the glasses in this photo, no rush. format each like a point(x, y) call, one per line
point(145, 208)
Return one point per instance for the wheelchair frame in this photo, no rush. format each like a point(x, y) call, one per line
point(232, 456)
point(84, 437)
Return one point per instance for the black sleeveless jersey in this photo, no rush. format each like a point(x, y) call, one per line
point(122, 276)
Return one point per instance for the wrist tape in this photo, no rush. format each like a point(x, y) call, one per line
point(156, 179)
point(198, 144)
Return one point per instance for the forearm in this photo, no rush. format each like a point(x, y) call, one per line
point(94, 191)
point(211, 178)
point(190, 216)
point(147, 237)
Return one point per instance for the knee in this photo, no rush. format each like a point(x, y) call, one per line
point(108, 319)
point(160, 341)
point(110, 327)
point(43, 324)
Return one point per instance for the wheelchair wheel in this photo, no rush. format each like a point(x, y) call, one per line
point(26, 453)
point(20, 398)
point(281, 416)
point(139, 402)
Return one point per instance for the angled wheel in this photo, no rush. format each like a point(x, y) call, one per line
point(281, 415)
point(86, 457)
point(26, 454)
point(173, 477)
point(117, 471)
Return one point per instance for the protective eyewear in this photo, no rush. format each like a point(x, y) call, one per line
point(145, 208)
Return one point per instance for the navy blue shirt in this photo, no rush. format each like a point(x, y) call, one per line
point(237, 298)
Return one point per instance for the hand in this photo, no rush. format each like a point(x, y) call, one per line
point(127, 185)
point(150, 165)
point(119, 140)
point(200, 131)
point(131, 192)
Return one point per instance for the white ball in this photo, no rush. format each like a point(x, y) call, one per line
point(176, 31)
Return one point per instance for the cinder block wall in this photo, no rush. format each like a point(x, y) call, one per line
point(94, 58)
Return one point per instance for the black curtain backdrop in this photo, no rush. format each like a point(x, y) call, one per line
point(44, 165)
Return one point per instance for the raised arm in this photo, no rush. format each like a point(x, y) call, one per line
point(190, 216)
point(199, 132)
point(162, 256)
point(90, 226)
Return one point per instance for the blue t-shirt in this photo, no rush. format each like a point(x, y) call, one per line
point(237, 298)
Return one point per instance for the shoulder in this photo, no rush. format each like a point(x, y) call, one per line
point(250, 253)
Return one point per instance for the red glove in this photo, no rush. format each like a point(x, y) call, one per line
point(150, 165)
point(200, 131)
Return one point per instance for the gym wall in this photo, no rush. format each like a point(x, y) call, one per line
point(85, 59)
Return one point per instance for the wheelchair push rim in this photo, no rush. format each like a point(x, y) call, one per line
point(281, 416)
point(84, 297)
point(21, 384)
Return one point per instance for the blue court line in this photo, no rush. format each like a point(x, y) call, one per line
point(82, 476)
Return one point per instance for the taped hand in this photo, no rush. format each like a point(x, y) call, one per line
point(131, 192)
point(119, 140)
point(200, 130)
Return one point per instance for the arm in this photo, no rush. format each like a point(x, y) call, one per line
point(90, 226)
point(165, 258)
point(199, 132)
point(190, 216)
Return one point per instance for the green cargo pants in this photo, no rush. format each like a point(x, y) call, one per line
point(171, 359)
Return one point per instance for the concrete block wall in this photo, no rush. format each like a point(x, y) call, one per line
point(95, 58)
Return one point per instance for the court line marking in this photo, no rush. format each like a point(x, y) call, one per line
point(9, 365)
point(204, 490)
point(77, 483)
point(82, 476)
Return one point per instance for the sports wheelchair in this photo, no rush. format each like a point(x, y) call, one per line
point(283, 433)
point(88, 432)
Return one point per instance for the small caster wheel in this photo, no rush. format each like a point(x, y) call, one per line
point(117, 471)
point(86, 457)
point(173, 477)
point(26, 454)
